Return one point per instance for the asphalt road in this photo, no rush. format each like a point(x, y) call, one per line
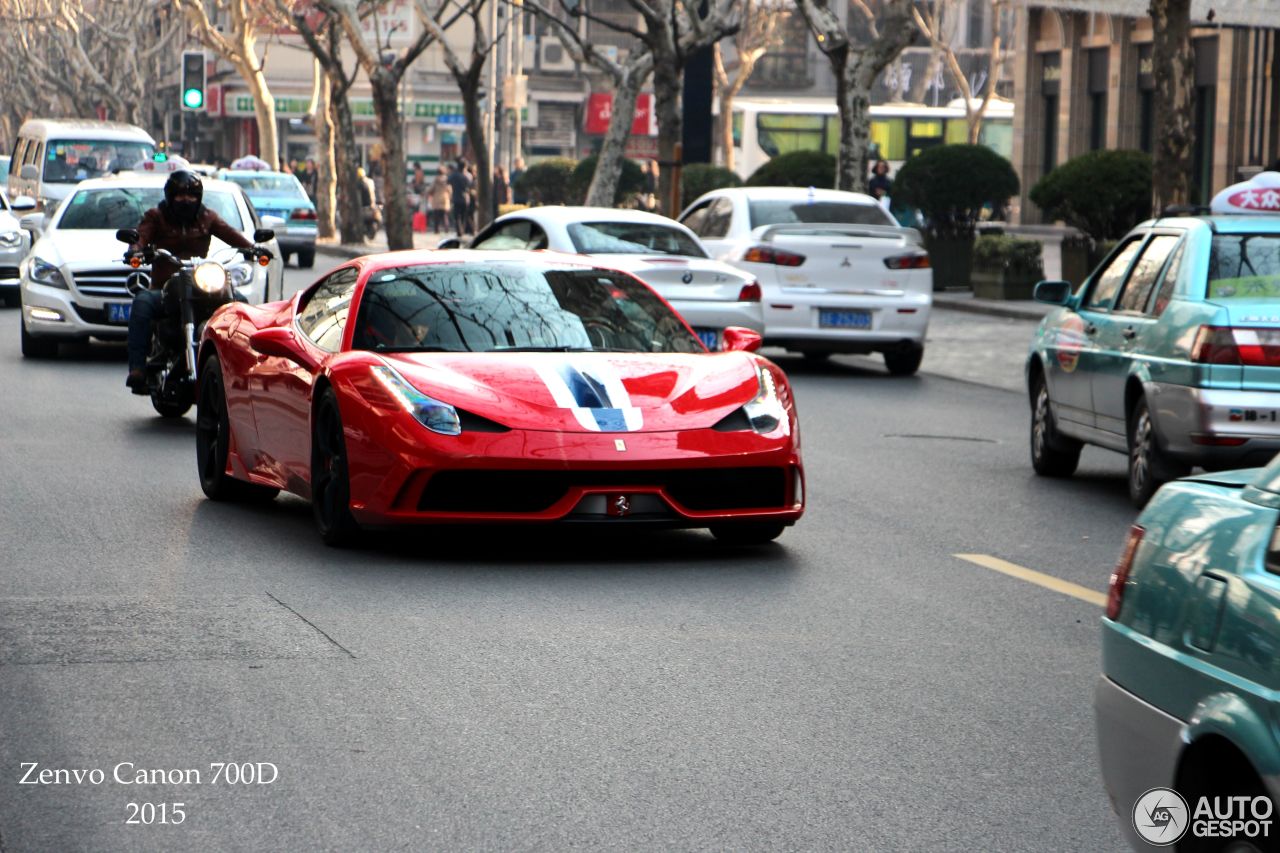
point(854, 687)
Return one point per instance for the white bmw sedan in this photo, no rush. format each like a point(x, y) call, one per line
point(839, 274)
point(74, 281)
point(710, 295)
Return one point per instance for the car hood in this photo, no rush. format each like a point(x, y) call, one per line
point(587, 392)
point(90, 248)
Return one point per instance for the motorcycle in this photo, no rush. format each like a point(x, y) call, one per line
point(190, 296)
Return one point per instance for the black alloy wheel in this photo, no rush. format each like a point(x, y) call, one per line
point(33, 347)
point(330, 480)
point(306, 258)
point(1052, 455)
point(213, 443)
point(1149, 467)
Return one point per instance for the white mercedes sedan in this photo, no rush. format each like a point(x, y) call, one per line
point(710, 295)
point(839, 274)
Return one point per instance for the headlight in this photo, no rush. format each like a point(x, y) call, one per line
point(241, 275)
point(43, 272)
point(10, 239)
point(430, 412)
point(766, 411)
point(210, 277)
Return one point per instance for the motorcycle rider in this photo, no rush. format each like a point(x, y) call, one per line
point(182, 225)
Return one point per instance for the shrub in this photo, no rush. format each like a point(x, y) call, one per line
point(951, 184)
point(699, 178)
point(1002, 252)
point(1103, 193)
point(630, 181)
point(797, 169)
point(547, 182)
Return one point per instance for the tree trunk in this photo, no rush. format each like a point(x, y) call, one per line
point(853, 98)
point(746, 64)
point(668, 76)
point(350, 211)
point(1171, 54)
point(470, 90)
point(264, 108)
point(604, 183)
point(395, 202)
point(921, 83)
point(325, 178)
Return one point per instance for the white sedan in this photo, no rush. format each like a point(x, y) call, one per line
point(663, 254)
point(74, 281)
point(839, 274)
point(14, 243)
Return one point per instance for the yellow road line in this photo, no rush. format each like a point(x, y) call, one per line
point(1038, 578)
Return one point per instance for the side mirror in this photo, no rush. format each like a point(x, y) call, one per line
point(33, 222)
point(740, 339)
point(23, 203)
point(1053, 292)
point(128, 235)
point(449, 243)
point(29, 172)
point(264, 235)
point(280, 343)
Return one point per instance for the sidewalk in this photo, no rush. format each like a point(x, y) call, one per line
point(376, 245)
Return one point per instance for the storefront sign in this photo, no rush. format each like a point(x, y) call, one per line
point(600, 111)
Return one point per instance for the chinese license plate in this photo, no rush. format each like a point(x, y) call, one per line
point(828, 319)
point(710, 338)
point(118, 312)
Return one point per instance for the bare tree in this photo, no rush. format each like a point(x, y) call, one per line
point(930, 16)
point(757, 34)
point(856, 68)
point(238, 46)
point(1171, 54)
point(325, 177)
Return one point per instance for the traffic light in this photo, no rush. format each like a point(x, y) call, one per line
point(192, 90)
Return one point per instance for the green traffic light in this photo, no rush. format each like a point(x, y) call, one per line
point(193, 99)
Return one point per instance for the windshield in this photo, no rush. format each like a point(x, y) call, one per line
point(492, 307)
point(70, 161)
point(112, 208)
point(268, 183)
point(1244, 266)
point(632, 238)
point(785, 212)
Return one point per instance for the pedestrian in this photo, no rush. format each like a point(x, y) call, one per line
point(501, 191)
point(517, 191)
point(418, 186)
point(312, 177)
point(473, 201)
point(441, 196)
point(459, 184)
point(880, 185)
point(649, 199)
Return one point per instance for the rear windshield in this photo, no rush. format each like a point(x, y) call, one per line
point(120, 207)
point(1244, 266)
point(628, 238)
point(274, 184)
point(781, 212)
point(69, 161)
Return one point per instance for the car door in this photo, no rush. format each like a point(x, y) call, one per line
point(281, 388)
point(1071, 345)
point(1123, 333)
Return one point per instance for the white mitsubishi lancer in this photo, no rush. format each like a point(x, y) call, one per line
point(839, 275)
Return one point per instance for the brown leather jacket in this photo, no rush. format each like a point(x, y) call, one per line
point(184, 241)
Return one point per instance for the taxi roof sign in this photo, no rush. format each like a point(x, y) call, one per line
point(1259, 194)
point(153, 166)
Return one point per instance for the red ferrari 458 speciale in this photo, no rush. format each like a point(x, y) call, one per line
point(446, 387)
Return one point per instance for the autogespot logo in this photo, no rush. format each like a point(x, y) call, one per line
point(1160, 816)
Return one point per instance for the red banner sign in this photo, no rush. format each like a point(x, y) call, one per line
point(600, 111)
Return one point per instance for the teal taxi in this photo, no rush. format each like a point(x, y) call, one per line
point(1168, 352)
point(1188, 706)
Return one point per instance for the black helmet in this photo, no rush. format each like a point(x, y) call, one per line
point(183, 181)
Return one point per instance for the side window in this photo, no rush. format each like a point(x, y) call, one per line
point(1137, 290)
point(511, 235)
point(718, 218)
point(537, 237)
point(324, 315)
point(1107, 281)
point(695, 219)
point(1167, 284)
point(19, 149)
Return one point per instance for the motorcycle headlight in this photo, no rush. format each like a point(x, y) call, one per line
point(766, 411)
point(210, 277)
point(10, 239)
point(42, 272)
point(428, 411)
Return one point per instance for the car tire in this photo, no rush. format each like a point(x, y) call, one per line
point(306, 258)
point(213, 443)
point(1149, 466)
point(33, 347)
point(1052, 455)
point(330, 476)
point(905, 361)
point(284, 257)
point(747, 532)
point(10, 300)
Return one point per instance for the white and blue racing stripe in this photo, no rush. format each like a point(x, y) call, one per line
point(593, 391)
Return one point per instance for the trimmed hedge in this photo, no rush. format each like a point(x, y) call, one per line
point(1103, 193)
point(951, 184)
point(696, 179)
point(547, 181)
point(797, 169)
point(630, 181)
point(1003, 252)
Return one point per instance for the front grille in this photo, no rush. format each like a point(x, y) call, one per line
point(108, 283)
point(699, 489)
point(8, 272)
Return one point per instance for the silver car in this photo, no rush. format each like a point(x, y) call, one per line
point(14, 244)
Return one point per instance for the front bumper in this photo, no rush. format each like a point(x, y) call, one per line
point(1138, 749)
point(793, 320)
point(297, 237)
point(54, 312)
point(10, 259)
point(1216, 426)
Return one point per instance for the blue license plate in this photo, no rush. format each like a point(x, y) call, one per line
point(844, 319)
point(710, 338)
point(118, 312)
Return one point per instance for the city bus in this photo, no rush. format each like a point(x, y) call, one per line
point(766, 127)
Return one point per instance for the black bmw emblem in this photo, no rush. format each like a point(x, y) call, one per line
point(687, 277)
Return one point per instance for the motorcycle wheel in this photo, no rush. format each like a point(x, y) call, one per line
point(170, 408)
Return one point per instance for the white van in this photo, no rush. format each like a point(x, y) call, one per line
point(51, 156)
